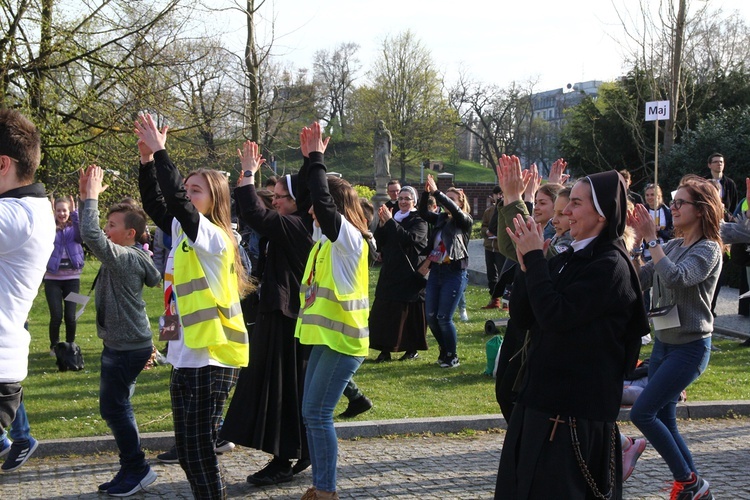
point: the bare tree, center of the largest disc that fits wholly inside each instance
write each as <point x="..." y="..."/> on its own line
<point x="334" y="76"/>
<point x="494" y="116"/>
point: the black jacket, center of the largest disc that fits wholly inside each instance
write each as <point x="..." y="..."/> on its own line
<point x="289" y="243"/>
<point x="586" y="317"/>
<point x="400" y="245"/>
<point x="455" y="225"/>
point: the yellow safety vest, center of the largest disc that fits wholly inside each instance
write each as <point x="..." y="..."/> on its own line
<point x="332" y="318"/>
<point x="210" y="321"/>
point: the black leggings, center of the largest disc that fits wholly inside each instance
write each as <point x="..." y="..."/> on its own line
<point x="56" y="291"/>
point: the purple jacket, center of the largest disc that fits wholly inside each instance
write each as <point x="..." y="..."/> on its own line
<point x="70" y="239"/>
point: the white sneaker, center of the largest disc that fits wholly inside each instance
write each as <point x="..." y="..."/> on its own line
<point x="464" y="316"/>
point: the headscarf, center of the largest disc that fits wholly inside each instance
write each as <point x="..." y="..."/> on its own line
<point x="291" y="185"/>
<point x="399" y="215"/>
<point x="609" y="193"/>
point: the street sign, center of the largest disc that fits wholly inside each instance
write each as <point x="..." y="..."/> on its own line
<point x="657" y="110"/>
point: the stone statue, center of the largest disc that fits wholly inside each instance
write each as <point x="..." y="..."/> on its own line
<point x="382" y="151"/>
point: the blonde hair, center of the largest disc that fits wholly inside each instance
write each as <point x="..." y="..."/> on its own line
<point x="220" y="213"/>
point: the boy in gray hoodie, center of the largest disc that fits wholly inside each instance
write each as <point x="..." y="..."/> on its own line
<point x="121" y="322"/>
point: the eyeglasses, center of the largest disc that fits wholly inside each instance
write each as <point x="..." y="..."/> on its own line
<point x="281" y="196"/>
<point x="678" y="203"/>
<point x="401" y="198"/>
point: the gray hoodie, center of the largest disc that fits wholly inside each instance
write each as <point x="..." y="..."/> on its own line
<point x="121" y="320"/>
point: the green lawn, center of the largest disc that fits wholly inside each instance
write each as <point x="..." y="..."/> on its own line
<point x="66" y="404"/>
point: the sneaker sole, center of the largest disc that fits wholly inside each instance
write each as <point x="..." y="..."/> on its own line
<point x="146" y="481"/>
<point x="23" y="460"/>
<point x="225" y="448"/>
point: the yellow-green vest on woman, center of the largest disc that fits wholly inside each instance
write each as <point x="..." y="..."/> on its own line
<point x="210" y="321"/>
<point x="334" y="319"/>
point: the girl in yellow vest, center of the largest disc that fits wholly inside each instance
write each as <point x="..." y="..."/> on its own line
<point x="334" y="305"/>
<point x="203" y="282"/>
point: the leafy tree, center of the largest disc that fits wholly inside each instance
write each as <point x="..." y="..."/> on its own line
<point x="407" y="94"/>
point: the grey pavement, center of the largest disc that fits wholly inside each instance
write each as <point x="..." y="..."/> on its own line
<point x="405" y="467"/>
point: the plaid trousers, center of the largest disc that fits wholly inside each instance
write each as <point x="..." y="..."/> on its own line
<point x="198" y="397"/>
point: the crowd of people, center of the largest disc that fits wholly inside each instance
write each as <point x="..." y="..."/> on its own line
<point x="288" y="324"/>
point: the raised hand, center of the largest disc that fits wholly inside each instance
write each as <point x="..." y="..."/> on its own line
<point x="91" y="183"/>
<point x="557" y="173"/>
<point x="250" y="157"/>
<point x="430" y="185"/>
<point x="311" y="139"/>
<point x="384" y="215"/>
<point x="527" y="236"/>
<point x="533" y="183"/>
<point x="146" y="130"/>
<point x="510" y="178"/>
<point x="640" y="220"/>
<point x="147" y="155"/>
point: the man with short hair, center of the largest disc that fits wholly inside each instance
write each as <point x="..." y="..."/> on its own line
<point x="727" y="187"/>
<point x="394" y="187"/>
<point x="27" y="234"/>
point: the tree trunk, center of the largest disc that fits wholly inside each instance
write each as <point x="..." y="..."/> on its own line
<point x="675" y="77"/>
<point x="252" y="71"/>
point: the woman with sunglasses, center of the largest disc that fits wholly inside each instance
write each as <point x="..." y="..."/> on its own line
<point x="683" y="274"/>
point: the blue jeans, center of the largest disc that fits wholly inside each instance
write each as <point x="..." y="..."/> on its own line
<point x="445" y="288"/>
<point x="462" y="297"/>
<point x="328" y="373"/>
<point x="116" y="385"/>
<point x="19" y="429"/>
<point x="671" y="369"/>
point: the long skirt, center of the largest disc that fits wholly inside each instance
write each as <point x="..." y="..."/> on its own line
<point x="539" y="460"/>
<point x="397" y="326"/>
<point x="266" y="409"/>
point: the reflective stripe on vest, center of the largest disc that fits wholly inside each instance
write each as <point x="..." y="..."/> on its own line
<point x="336" y="320"/>
<point x="210" y="321"/>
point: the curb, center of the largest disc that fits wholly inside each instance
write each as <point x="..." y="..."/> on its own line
<point x="162" y="441"/>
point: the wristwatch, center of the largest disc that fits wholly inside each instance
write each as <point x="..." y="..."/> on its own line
<point x="653" y="243"/>
<point x="248" y="173"/>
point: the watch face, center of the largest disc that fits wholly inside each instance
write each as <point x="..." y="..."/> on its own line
<point x="652" y="244"/>
<point x="248" y="173"/>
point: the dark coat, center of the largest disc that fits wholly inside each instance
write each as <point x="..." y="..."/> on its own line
<point x="586" y="317"/>
<point x="400" y="245"/>
<point x="289" y="243"/>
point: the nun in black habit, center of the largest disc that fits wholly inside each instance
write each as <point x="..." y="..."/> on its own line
<point x="585" y="315"/>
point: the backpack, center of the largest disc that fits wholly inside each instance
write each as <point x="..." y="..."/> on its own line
<point x="69" y="356"/>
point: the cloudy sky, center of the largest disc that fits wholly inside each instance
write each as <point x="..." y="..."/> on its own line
<point x="548" y="41"/>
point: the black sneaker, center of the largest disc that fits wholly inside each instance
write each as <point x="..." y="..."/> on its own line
<point x="300" y="465"/>
<point x="277" y="471"/>
<point x="383" y="356"/>
<point x="356" y="407"/>
<point x="223" y="446"/>
<point x="409" y="355"/>
<point x="441" y="358"/>
<point x="20" y="451"/>
<point x="694" y="489"/>
<point x="169" y="457"/>
<point x="132" y="483"/>
<point x="115" y="481"/>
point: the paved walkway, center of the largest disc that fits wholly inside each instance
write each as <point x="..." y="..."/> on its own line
<point x="416" y="467"/>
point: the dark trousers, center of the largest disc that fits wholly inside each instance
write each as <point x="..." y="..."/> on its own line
<point x="10" y="398"/>
<point x="116" y="385"/>
<point x="494" y="263"/>
<point x="56" y="291"/>
<point x="198" y="398"/>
